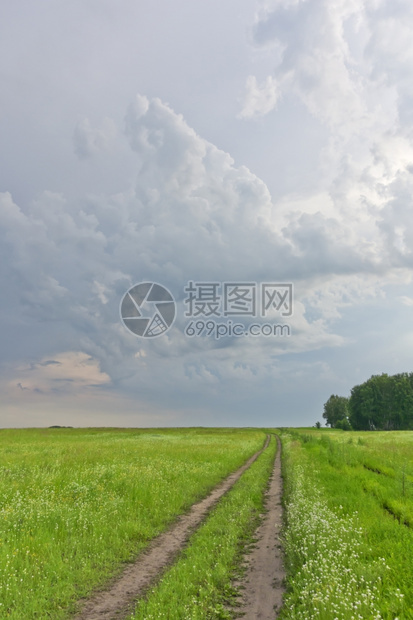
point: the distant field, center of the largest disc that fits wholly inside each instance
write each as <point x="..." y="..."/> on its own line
<point x="76" y="503"/>
<point x="349" y="536"/>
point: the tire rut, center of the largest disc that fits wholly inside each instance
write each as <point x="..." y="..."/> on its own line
<point x="263" y="583"/>
<point x="117" y="600"/>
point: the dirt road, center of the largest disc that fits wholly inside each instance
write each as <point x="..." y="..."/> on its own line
<point x="264" y="579"/>
<point x="115" y="602"/>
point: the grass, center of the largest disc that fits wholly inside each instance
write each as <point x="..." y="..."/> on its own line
<point x="198" y="586"/>
<point x="75" y="504"/>
<point x="348" y="535"/>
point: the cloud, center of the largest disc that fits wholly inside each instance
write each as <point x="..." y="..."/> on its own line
<point x="88" y="141"/>
<point x="259" y="99"/>
<point x="190" y="214"/>
<point x="407" y="301"/>
<point x="190" y="203"/>
<point x="344" y="62"/>
<point x="70" y="371"/>
<point x="316" y="61"/>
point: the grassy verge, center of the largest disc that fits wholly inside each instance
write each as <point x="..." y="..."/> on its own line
<point x="75" y="504"/>
<point x="347" y="557"/>
<point x="198" y="586"/>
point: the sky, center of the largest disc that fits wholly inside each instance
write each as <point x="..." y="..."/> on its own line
<point x="252" y="157"/>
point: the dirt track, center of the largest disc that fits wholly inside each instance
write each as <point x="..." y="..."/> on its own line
<point x="264" y="579"/>
<point x="115" y="602"/>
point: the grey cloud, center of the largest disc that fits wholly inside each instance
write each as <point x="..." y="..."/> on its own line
<point x="89" y="141"/>
<point x="191" y="214"/>
<point x="50" y="363"/>
<point x="329" y="89"/>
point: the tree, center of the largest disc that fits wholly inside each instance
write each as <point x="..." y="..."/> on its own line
<point x="318" y="424"/>
<point x="361" y="408"/>
<point x="335" y="409"/>
<point x="383" y="402"/>
<point x="344" y="424"/>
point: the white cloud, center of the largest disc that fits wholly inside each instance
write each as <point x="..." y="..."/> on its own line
<point x="346" y="64"/>
<point x="343" y="59"/>
<point x="259" y="98"/>
<point x="407" y="301"/>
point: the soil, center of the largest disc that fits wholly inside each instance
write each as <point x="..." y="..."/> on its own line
<point x="263" y="584"/>
<point x="117" y="600"/>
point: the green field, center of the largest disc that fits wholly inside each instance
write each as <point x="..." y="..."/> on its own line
<point x="76" y="504"/>
<point x="349" y="515"/>
<point x="199" y="586"/>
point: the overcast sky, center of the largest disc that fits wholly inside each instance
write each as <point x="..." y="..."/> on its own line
<point x="244" y="141"/>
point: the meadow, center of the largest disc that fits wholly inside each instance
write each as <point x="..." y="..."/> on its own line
<point x="199" y="584"/>
<point x="75" y="504"/>
<point x="349" y="516"/>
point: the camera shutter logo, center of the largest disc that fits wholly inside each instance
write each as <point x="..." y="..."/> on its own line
<point x="148" y="310"/>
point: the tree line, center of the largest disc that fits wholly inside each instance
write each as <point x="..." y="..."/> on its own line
<point x="383" y="402"/>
